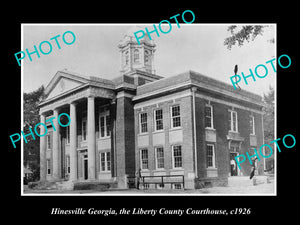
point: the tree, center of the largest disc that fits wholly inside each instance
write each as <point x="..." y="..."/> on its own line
<point x="31" y="118"/>
<point x="268" y="123"/>
<point x="246" y="33"/>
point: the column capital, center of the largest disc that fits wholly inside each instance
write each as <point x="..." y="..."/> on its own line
<point x="73" y="103"/>
<point x="194" y="89"/>
<point x="56" y="109"/>
<point x="42" y="113"/>
<point x="91" y="96"/>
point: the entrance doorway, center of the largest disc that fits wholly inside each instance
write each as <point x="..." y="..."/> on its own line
<point x="85" y="167"/>
<point x="233" y="165"/>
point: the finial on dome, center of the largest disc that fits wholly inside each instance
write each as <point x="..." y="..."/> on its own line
<point x="130" y="37"/>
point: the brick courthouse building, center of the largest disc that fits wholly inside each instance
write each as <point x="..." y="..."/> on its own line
<point x="187" y="124"/>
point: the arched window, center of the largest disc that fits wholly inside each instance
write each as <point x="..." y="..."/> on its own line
<point x="136" y="56"/>
<point x="126" y="58"/>
<point x="147" y="57"/>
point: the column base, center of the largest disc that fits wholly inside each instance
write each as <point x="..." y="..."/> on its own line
<point x="122" y="182"/>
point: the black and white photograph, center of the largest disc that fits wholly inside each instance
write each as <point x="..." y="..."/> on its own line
<point x="133" y="110"/>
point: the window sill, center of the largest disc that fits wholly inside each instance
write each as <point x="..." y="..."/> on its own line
<point x="105" y="172"/>
<point x="175" y="128"/>
<point x="158" y="131"/>
<point x="209" y="128"/>
<point x="142" y="134"/>
<point x="212" y="168"/>
<point x="104" y="138"/>
<point x="177" y="169"/>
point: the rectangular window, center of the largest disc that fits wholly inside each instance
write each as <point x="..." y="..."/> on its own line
<point x="144" y="158"/>
<point x="102" y="126"/>
<point x="143" y="123"/>
<point x="233" y="121"/>
<point x="48" y="167"/>
<point x="158" y="115"/>
<point x="252" y="125"/>
<point x="48" y="142"/>
<point x="136" y="56"/>
<point x="229" y="120"/>
<point x="84" y="129"/>
<point x="234" y="148"/>
<point x="102" y="161"/>
<point x="68" y="134"/>
<point x="208" y="116"/>
<point x="107" y="123"/>
<point x="68" y="164"/>
<point x="210" y="156"/>
<point x="104" y="122"/>
<point x="175" y="116"/>
<point x="108" y="161"/>
<point x="177" y="156"/>
<point x="159" y="157"/>
<point x="105" y="162"/>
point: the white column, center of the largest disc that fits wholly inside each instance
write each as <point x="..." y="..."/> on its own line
<point x="73" y="143"/>
<point x="55" y="149"/>
<point x="43" y="160"/>
<point x="91" y="138"/>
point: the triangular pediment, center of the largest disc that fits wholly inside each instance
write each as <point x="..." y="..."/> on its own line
<point x="63" y="82"/>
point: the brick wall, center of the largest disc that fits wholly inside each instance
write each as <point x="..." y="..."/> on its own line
<point x="244" y="130"/>
<point x="221" y="124"/>
<point x="185" y="138"/>
<point x="129" y="137"/>
<point x="220" y="132"/>
<point x="220" y="145"/>
<point x="188" y="141"/>
<point x="124" y="139"/>
<point x="200" y="137"/>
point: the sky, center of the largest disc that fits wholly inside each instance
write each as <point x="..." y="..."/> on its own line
<point x="197" y="47"/>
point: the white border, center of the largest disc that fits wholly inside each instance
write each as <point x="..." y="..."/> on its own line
<point x="22" y="114"/>
<point x="145" y="194"/>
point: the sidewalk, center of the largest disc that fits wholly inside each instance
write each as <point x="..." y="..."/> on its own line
<point x="236" y="185"/>
<point x="243" y="185"/>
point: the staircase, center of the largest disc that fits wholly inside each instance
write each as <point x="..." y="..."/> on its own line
<point x="64" y="185"/>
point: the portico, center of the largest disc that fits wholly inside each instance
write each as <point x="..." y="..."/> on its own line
<point x="71" y="152"/>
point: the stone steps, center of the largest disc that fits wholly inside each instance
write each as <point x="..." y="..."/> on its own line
<point x="64" y="185"/>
